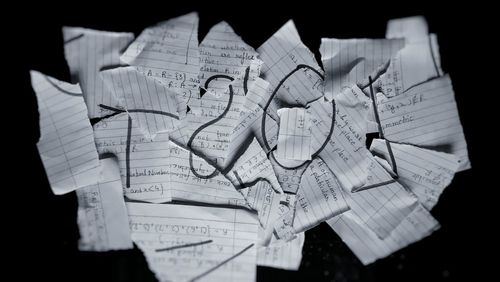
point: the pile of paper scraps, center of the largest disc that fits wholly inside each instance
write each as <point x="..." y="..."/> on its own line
<point x="215" y="157"/>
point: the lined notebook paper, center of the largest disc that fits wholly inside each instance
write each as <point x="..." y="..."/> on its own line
<point x="294" y="136"/>
<point x="426" y="173"/>
<point x="159" y="170"/>
<point x="253" y="165"/>
<point x="223" y="52"/>
<point x="152" y="105"/>
<point x="281" y="254"/>
<point x="200" y="243"/>
<point x="87" y="52"/>
<point x="250" y="121"/>
<point x="262" y="198"/>
<point x="228" y="69"/>
<point x="102" y="216"/>
<point x="66" y="144"/>
<point x="168" y="52"/>
<point x="368" y="247"/>
<point x="345" y="153"/>
<point x="319" y="198"/>
<point x="427" y="116"/>
<point x="290" y="67"/>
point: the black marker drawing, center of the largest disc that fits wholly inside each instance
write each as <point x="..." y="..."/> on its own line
<point x="222" y="263"/>
<point x="184" y="246"/>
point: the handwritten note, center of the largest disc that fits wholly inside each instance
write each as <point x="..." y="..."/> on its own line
<point x="368" y="247"/>
<point x="250" y="120"/>
<point x="102" y="216"/>
<point x="223" y="53"/>
<point x="228" y="69"/>
<point x="425" y="115"/>
<point x="87" y="52"/>
<point x="157" y="170"/>
<point x="342" y="125"/>
<point x="168" y="52"/>
<point x="319" y="198"/>
<point x="294" y="137"/>
<point x="262" y="198"/>
<point x="425" y="172"/>
<point x="416" y="63"/>
<point x="200" y="243"/>
<point x="253" y="165"/>
<point x="66" y="144"/>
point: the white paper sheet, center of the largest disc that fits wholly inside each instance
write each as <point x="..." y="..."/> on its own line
<point x="368" y="247"/>
<point x="290" y="68"/>
<point x="426" y="173"/>
<point x="66" y="144"/>
<point x="345" y="153"/>
<point x="383" y="202"/>
<point x="294" y="135"/>
<point x="168" y="52"/>
<point x="348" y="62"/>
<point x="159" y="170"/>
<point x="262" y="198"/>
<point x="223" y="52"/>
<point x="250" y="121"/>
<point x="148" y="163"/>
<point x="416" y="63"/>
<point x="228" y="69"/>
<point x="87" y="52"/>
<point x="251" y="166"/>
<point x="152" y="105"/>
<point x="412" y="29"/>
<point x="427" y="116"/>
<point x="383" y="207"/>
<point x="281" y="254"/>
<point x="319" y="198"/>
<point x="225" y="239"/>
<point x="102" y="216"/>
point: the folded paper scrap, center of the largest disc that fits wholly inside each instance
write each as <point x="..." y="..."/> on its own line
<point x="213" y="157"/>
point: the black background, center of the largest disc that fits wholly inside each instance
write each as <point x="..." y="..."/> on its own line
<point x="41" y="227"/>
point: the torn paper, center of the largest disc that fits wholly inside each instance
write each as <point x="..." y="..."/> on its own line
<point x="228" y="69"/>
<point x="294" y="135"/>
<point x="224" y="54"/>
<point x="417" y="62"/>
<point x="252" y="166"/>
<point x="290" y="67"/>
<point x="425" y="172"/>
<point x="319" y="198"/>
<point x="339" y="131"/>
<point x="102" y="216"/>
<point x="281" y="254"/>
<point x="152" y="105"/>
<point x="412" y="29"/>
<point x="349" y="62"/>
<point x="262" y="198"/>
<point x="66" y="144"/>
<point x="157" y="170"/>
<point x="250" y="121"/>
<point x="191" y="243"/>
<point x="89" y="51"/>
<point x="426" y="116"/>
<point x="168" y="52"/>
<point x="368" y="247"/>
